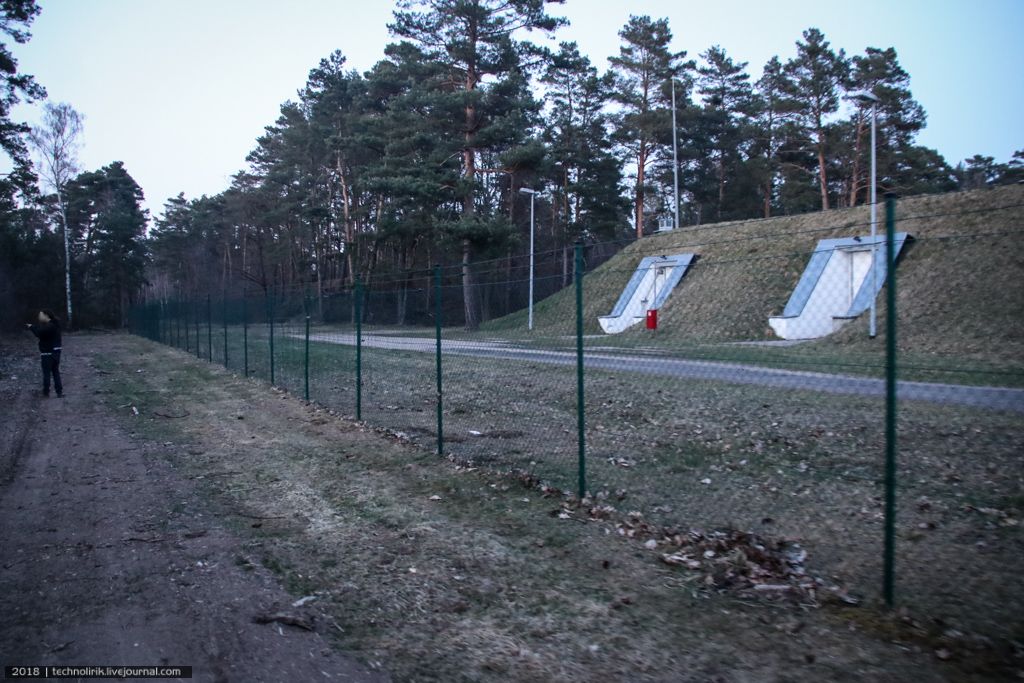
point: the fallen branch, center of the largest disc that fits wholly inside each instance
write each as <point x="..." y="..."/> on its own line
<point x="170" y="417"/>
<point x="242" y="514"/>
<point x="299" y="622"/>
<point x="132" y="539"/>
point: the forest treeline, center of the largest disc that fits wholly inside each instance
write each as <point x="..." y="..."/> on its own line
<point x="423" y="158"/>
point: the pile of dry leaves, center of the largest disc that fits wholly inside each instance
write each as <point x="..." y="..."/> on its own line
<point x="730" y="559"/>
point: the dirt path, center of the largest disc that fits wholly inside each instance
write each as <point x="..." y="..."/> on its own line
<point x="109" y="556"/>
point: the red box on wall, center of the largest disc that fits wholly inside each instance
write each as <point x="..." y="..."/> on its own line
<point x="652" y="319"/>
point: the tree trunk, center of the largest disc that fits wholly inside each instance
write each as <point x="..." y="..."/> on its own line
<point x="721" y="184"/>
<point x="822" y="174"/>
<point x="565" y="265"/>
<point x="641" y="162"/>
<point x="468" y="291"/>
<point x="855" y="176"/>
<point x="347" y="216"/>
<point x="468" y="205"/>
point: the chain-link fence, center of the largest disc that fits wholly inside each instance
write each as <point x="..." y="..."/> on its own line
<point x="852" y="395"/>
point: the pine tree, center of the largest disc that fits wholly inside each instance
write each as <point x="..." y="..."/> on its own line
<point x="473" y="39"/>
<point x="643" y="71"/>
<point x="15" y="18"/>
<point x="587" y="175"/>
<point x="728" y="106"/>
<point x="815" y="79"/>
<point x="106" y="215"/>
<point x="900" y="118"/>
<point x="768" y="132"/>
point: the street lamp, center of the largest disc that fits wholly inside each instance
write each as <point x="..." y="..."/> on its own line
<point x="533" y="195"/>
<point x="865" y="96"/>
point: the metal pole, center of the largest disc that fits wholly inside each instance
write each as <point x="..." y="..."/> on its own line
<point x="224" y="316"/>
<point x="307" y="353"/>
<point x="580" y="421"/>
<point x="872" y="331"/>
<point x="195" y="308"/>
<point x="359" y="349"/>
<point x="245" y="334"/>
<point x="675" y="156"/>
<point x="890" y="400"/>
<point x="209" y="330"/>
<point x="270" y="320"/>
<point x="529" y="323"/>
<point x="437" y="342"/>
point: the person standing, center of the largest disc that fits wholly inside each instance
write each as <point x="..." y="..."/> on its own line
<point x="47" y="330"/>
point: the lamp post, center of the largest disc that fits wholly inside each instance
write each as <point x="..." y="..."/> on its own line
<point x="533" y="195"/>
<point x="675" y="157"/>
<point x="865" y="96"/>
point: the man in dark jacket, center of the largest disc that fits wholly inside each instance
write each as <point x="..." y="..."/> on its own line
<point x="47" y="330"/>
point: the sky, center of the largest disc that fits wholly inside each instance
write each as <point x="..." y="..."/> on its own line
<point x="179" y="90"/>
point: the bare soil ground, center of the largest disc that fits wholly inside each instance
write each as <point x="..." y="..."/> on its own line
<point x="222" y="500"/>
<point x="110" y="556"/>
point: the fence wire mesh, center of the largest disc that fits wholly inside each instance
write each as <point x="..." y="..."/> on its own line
<point x="732" y="383"/>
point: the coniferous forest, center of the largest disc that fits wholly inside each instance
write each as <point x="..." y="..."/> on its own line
<point x="421" y="160"/>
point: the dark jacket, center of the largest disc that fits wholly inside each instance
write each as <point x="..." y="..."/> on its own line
<point x="49" y="336"/>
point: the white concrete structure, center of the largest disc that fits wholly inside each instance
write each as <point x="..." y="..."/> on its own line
<point x="835" y="287"/>
<point x="648" y="288"/>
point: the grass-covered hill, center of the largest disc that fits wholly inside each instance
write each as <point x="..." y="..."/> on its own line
<point x="960" y="281"/>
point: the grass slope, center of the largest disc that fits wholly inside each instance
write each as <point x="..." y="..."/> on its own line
<point x="959" y="281"/>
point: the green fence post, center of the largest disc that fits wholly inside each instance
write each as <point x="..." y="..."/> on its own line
<point x="224" y="320"/>
<point x="359" y="348"/>
<point x="209" y="330"/>
<point x="580" y="421"/>
<point x="270" y="320"/>
<point x="890" y="400"/>
<point x="245" y="334"/>
<point x="195" y="310"/>
<point x="437" y="335"/>
<point x="307" y="349"/>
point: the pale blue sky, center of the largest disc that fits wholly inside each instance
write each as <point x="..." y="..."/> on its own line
<point x="180" y="89"/>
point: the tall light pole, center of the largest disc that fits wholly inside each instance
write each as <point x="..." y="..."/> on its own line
<point x="865" y="96"/>
<point x="533" y="195"/>
<point x="675" y="156"/>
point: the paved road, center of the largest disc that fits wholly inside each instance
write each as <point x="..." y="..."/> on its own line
<point x="734" y="373"/>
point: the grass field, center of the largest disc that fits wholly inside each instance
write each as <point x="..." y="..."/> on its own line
<point x="444" y="572"/>
<point x="711" y="455"/>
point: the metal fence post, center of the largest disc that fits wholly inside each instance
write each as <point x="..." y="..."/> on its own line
<point x="580" y="420"/>
<point x="270" y="321"/>
<point x="307" y="349"/>
<point x="224" y="319"/>
<point x="245" y="335"/>
<point x="195" y="310"/>
<point x="890" y="400"/>
<point x="437" y="334"/>
<point x="359" y="348"/>
<point x="209" y="330"/>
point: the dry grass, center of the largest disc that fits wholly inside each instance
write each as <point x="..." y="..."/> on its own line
<point x="958" y="295"/>
<point x="502" y="590"/>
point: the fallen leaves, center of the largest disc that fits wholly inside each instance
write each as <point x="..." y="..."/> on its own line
<point x="1002" y="517"/>
<point x="729" y="558"/>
